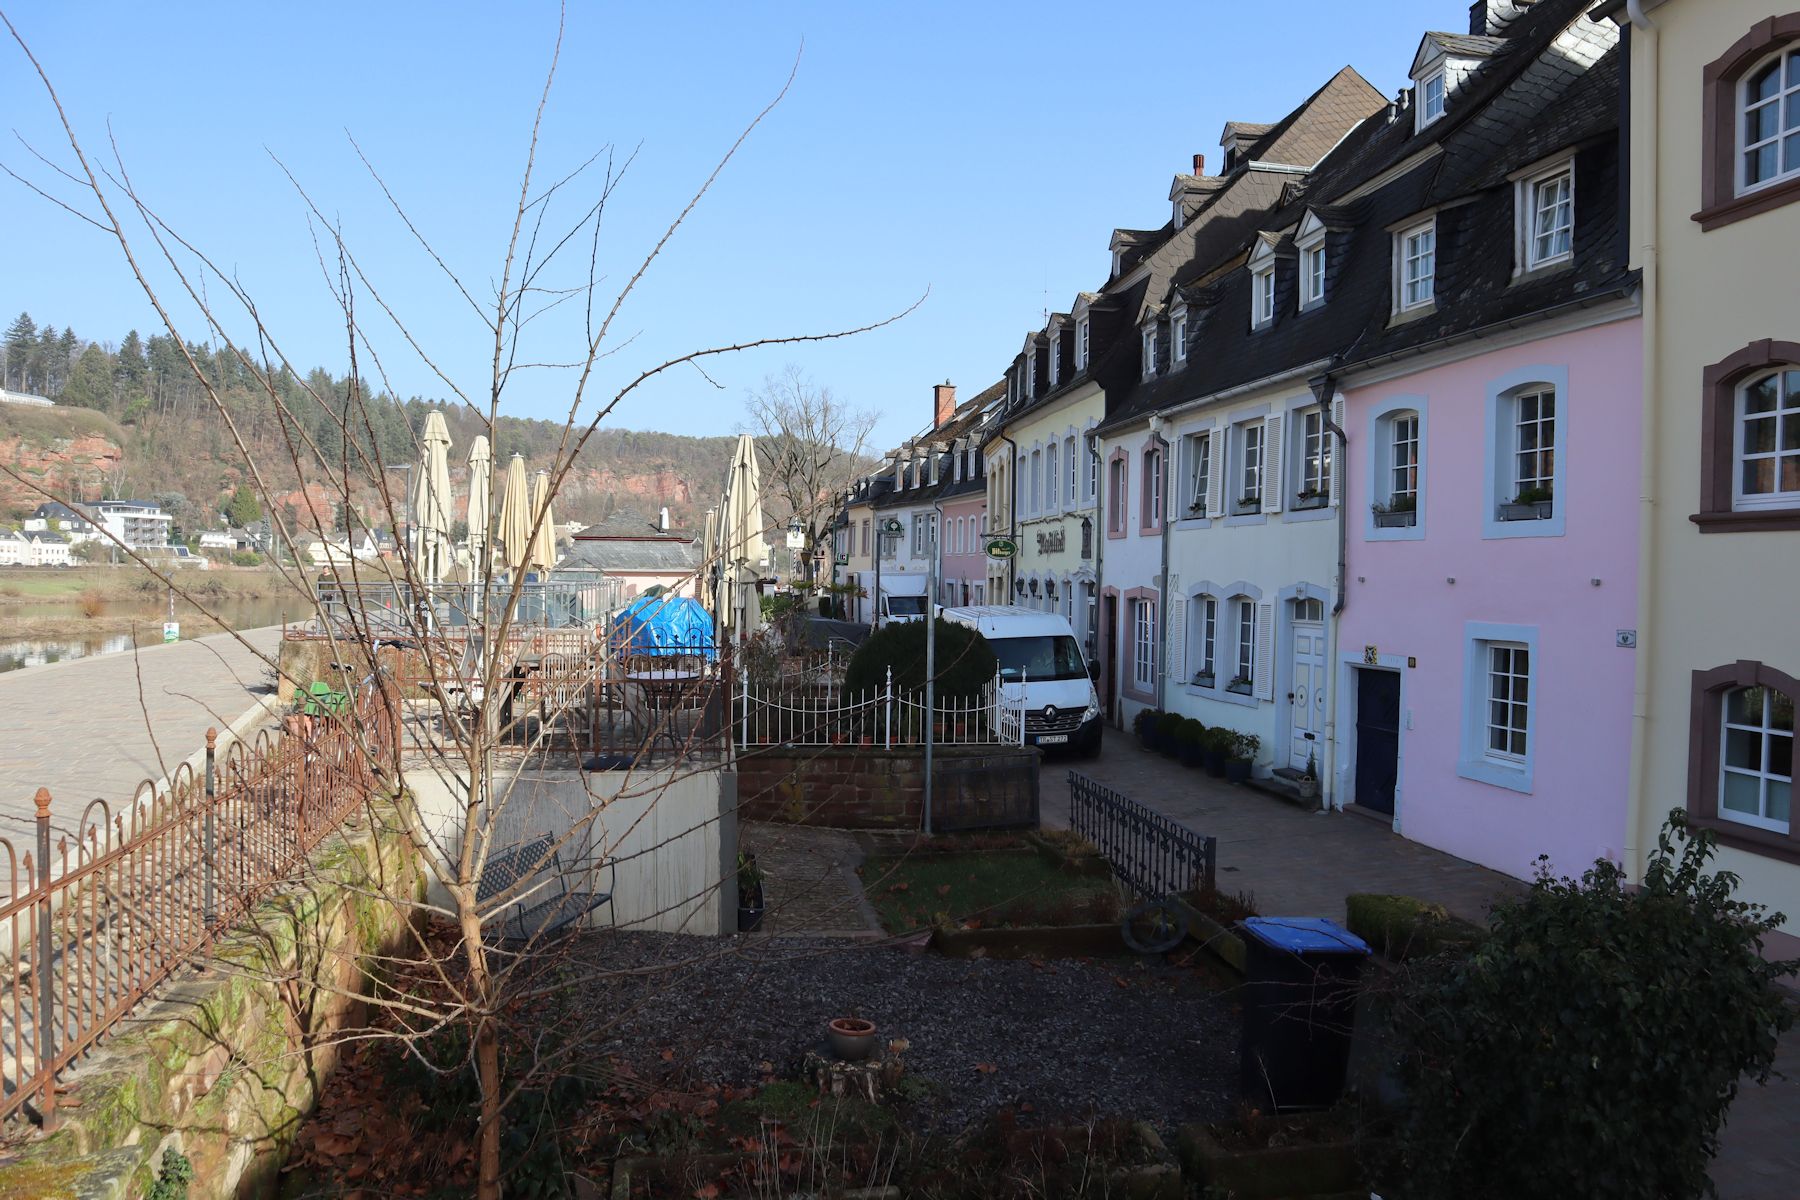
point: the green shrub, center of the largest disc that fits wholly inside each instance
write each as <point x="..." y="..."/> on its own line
<point x="1594" y="1041"/>
<point x="1191" y="733"/>
<point x="1403" y="927"/>
<point x="1144" y="724"/>
<point x="1220" y="741"/>
<point x="965" y="663"/>
<point x="1168" y="727"/>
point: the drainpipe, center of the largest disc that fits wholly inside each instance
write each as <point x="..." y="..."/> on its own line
<point x="1012" y="513"/>
<point x="1162" y="616"/>
<point x="1092" y="438"/>
<point x="1649" y="441"/>
<point x="1324" y="389"/>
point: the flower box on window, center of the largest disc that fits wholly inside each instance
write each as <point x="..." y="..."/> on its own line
<point x="1400" y="512"/>
<point x="1197" y="508"/>
<point x="1239" y="685"/>
<point x="1203" y="678"/>
<point x="1531" y="504"/>
<point x="1249" y="504"/>
<point x="1310" y="499"/>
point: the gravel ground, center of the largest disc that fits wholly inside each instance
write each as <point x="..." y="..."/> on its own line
<point x="1072" y="1038"/>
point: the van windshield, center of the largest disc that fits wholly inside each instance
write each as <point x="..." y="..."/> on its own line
<point x="906" y="606"/>
<point x="1047" y="656"/>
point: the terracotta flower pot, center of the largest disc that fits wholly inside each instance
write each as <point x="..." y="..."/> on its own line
<point x="851" y="1038"/>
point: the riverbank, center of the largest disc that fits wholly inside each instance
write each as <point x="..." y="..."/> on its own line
<point x="74" y="585"/>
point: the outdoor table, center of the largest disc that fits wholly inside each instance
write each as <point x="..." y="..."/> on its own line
<point x="662" y="691"/>
<point x="526" y="666"/>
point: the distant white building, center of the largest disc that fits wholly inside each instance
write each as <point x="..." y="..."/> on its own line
<point x="25" y="398"/>
<point x="35" y="548"/>
<point x="140" y="524"/>
<point x="14" y="548"/>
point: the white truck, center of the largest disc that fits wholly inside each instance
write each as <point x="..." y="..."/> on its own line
<point x="902" y="599"/>
<point x="1042" y="670"/>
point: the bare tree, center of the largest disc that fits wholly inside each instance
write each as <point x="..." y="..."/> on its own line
<point x="447" y="688"/>
<point x="812" y="445"/>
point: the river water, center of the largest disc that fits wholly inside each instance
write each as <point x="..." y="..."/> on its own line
<point x="16" y="654"/>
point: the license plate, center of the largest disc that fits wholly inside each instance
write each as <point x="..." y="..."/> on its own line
<point x="1052" y="739"/>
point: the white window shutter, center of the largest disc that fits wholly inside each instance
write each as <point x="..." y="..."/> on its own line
<point x="1215" y="477"/>
<point x="1264" y="666"/>
<point x="1175" y="642"/>
<point x="1274" y="480"/>
<point x="1337" y="453"/>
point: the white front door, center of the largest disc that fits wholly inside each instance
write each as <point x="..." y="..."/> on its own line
<point x="1306" y="695"/>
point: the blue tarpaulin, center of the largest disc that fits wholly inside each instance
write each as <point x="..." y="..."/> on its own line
<point x="665" y="625"/>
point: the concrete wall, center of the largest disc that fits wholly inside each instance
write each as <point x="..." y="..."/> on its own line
<point x="1402" y="601"/>
<point x="1716" y="597"/>
<point x="661" y="841"/>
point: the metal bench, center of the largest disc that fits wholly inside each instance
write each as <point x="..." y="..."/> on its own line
<point x="552" y="905"/>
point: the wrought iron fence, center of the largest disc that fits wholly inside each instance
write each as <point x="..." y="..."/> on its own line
<point x="886" y="716"/>
<point x="1152" y="855"/>
<point x="89" y="928"/>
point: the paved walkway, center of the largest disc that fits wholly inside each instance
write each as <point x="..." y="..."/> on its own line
<point x="1300" y="863"/>
<point x="810" y="885"/>
<point x="79" y="728"/>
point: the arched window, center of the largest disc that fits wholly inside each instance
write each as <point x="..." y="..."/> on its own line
<point x="1769" y="133"/>
<point x="1052" y="474"/>
<point x="1767" y="439"/>
<point x="1203" y="640"/>
<point x="1750" y="124"/>
<point x="1756" y="759"/>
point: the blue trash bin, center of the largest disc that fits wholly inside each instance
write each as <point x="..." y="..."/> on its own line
<point x="1299" y="1011"/>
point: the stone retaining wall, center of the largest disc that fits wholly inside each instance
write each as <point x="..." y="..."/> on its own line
<point x="224" y="1066"/>
<point x="859" y="787"/>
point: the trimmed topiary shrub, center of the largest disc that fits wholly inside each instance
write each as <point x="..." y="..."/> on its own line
<point x="1591" y="1045"/>
<point x="1403" y="927"/>
<point x="1168" y="732"/>
<point x="965" y="663"/>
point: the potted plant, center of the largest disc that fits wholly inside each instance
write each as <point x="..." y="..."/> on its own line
<point x="1243" y="752"/>
<point x="1144" y="725"/>
<point x="851" y="1038"/>
<point x="1198" y="507"/>
<point x="1168" y="733"/>
<point x="1249" y="503"/>
<point x="750" y="893"/>
<point x="1203" y="678"/>
<point x="1193" y="743"/>
<point x="1531" y="504"/>
<point x="1309" y="782"/>
<point x="1218" y="748"/>
<point x="1310" y="498"/>
<point x="1400" y="512"/>
<point x="1239" y="684"/>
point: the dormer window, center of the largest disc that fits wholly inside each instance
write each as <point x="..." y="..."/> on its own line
<point x="1430" y="104"/>
<point x="1415" y="266"/>
<point x="1178" y="329"/>
<point x="1311" y="242"/>
<point x="1545" y="204"/>
<point x="1055" y="355"/>
<point x="1262" y="296"/>
<point x="1030" y="375"/>
<point x="1149" y="350"/>
<point x="1083" y="330"/>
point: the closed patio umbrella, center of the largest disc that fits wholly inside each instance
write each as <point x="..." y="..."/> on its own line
<point x="543" y="543"/>
<point x="481" y="483"/>
<point x="431" y="501"/>
<point x="514" y="528"/>
<point x="706" y="584"/>
<point x="743" y="550"/>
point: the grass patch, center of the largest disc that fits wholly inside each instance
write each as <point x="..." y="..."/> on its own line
<point x="1402" y="927"/>
<point x="983" y="891"/>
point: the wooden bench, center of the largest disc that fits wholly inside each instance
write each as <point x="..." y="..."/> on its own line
<point x="552" y="905"/>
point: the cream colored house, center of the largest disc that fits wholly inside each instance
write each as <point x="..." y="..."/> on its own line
<point x="1715" y="229"/>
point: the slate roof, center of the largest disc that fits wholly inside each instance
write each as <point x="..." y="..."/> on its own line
<point x="1307" y="134"/>
<point x="618" y="555"/>
<point x="54" y="510"/>
<point x="1513" y="111"/>
<point x="1467" y="45"/>
<point x="963" y="422"/>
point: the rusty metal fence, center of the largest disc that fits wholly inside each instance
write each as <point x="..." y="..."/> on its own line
<point x="91" y="925"/>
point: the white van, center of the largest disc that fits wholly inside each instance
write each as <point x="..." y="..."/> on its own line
<point x="1042" y="668"/>
<point x="902" y="599"/>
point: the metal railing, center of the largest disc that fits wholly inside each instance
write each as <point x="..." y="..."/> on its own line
<point x="89" y="928"/>
<point x="394" y="606"/>
<point x="1152" y="855"/>
<point x="886" y="716"/>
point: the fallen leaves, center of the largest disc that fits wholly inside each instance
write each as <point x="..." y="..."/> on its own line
<point x="986" y="1068"/>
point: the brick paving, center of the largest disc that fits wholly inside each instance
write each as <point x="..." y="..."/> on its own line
<point x="810" y="886"/>
<point x="79" y="728"/>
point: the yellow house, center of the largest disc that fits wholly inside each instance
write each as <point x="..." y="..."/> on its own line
<point x="1715" y="229"/>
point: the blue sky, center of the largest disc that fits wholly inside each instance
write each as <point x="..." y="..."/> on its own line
<point x="981" y="152"/>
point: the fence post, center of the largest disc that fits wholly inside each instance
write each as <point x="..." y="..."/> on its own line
<point x="208" y="851"/>
<point x="744" y="713"/>
<point x="46" y="1019"/>
<point x="1024" y="680"/>
<point x="887" y="696"/>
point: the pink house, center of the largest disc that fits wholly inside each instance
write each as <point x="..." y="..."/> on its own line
<point x="1486" y="649"/>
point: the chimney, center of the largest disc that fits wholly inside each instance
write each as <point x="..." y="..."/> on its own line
<point x="662" y="521"/>
<point x="1200" y="164"/>
<point x="943" y="403"/>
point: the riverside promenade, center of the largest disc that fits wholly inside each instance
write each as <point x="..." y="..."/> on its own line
<point x="97" y="727"/>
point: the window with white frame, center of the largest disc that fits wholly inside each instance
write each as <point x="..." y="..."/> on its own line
<point x="1508" y="717"/>
<point x="1756" y="758"/>
<point x="1546" y="205"/>
<point x="1262" y="296"/>
<point x="1152" y="491"/>
<point x="1052" y="477"/>
<point x="1532" y="412"/>
<point x="1314" y="483"/>
<point x="1769" y="133"/>
<point x="1415" y="254"/>
<point x="865" y="538"/>
<point x="1767" y="441"/>
<point x="1431" y="98"/>
<point x="1069" y="466"/>
<point x="1178" y="326"/>
<point x="1036" y="480"/>
<point x="1312" y="274"/>
<point x="1030" y="374"/>
<point x="1055" y="355"/>
<point x="1203" y="632"/>
<point x="1093" y="475"/>
<point x="1199" y="472"/>
<point x="1082" y="331"/>
<point x="1395" y="486"/>
<point x="1245" y="670"/>
<point x="1149" y="351"/>
<point x="1143" y="645"/>
<point x="1249" y="465"/>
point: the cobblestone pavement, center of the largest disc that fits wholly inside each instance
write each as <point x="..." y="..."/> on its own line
<point x="810" y="884"/>
<point x="80" y="728"/>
